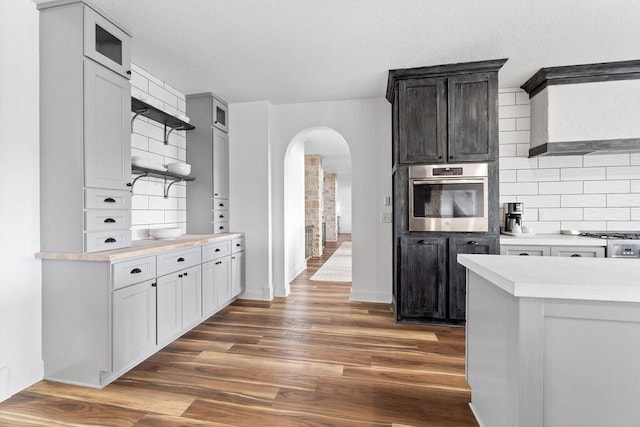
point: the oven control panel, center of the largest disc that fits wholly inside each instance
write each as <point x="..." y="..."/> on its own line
<point x="622" y="249"/>
<point x="447" y="171"/>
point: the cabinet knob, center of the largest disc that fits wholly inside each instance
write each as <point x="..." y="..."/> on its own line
<point x="186" y="273"/>
<point x="180" y="259"/>
<point x="129" y="72"/>
<point x="180" y="276"/>
<point x="136" y="271"/>
<point x="109" y="221"/>
<point x="439" y="157"/>
<point x="451" y="157"/>
<point x="110" y="240"/>
<point x="109" y="200"/>
<point x="154" y="284"/>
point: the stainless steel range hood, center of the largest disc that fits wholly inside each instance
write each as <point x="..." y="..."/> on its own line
<point x="585" y="109"/>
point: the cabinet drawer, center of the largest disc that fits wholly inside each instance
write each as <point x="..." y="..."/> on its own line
<point x="106" y="240"/>
<point x="178" y="260"/>
<point x="524" y="250"/>
<point x="220" y="227"/>
<point x="220" y="216"/>
<point x="220" y="204"/>
<point x="237" y="245"/>
<point x="134" y="271"/>
<point x="98" y="198"/>
<point x="215" y="251"/>
<point x="99" y="220"/>
<point x="577" y="251"/>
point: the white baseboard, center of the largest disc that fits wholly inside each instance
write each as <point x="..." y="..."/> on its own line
<point x="14" y="381"/>
<point x="266" y="294"/>
<point x="476" y="415"/>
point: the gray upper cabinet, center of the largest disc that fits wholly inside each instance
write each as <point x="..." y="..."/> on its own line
<point x="85" y="142"/>
<point x="445" y="114"/>
<point x="208" y="154"/>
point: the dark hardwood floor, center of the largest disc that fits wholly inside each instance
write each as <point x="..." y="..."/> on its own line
<point x="311" y="359"/>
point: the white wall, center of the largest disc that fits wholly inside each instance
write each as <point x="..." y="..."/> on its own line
<point x="250" y="193"/>
<point x="294" y="214"/>
<point x="149" y="208"/>
<point x="344" y="203"/>
<point x="20" y="288"/>
<point x="260" y="135"/>
<point x="590" y="192"/>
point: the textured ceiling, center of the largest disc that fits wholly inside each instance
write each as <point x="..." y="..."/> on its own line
<point x="289" y="51"/>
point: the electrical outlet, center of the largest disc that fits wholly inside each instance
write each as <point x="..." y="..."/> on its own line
<point x="385" y="217"/>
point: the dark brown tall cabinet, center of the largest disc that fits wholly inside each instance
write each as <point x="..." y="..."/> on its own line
<point x="441" y="114"/>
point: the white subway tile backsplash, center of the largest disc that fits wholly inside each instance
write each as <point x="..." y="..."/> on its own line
<point x="182" y="105"/>
<point x="163" y="95"/>
<point x="606" y="187"/>
<point x="522" y="97"/>
<point x="139" y="141"/>
<point x="144" y="73"/>
<point x="560" y="162"/>
<point x="623" y="200"/>
<point x="139" y="201"/>
<point x="583" y="200"/>
<point x="508" y="176"/>
<point x="635" y="214"/>
<point x="540" y="201"/>
<point x="522" y="150"/>
<point x="518" y="188"/>
<point x="174" y="91"/>
<point x="560" y="214"/>
<point x="147" y="217"/>
<point x="140" y="82"/>
<point x="514" y="137"/>
<point x="623" y="172"/>
<point x="635" y="186"/>
<point x="149" y="187"/>
<point x="538" y="175"/>
<point x="159" y="202"/>
<point x="148" y="129"/>
<point x="507" y="98"/>
<point x="542" y="227"/>
<point x="507" y="150"/>
<point x="623" y="225"/>
<point x="606" y="160"/>
<point x="514" y="111"/>
<point x="584" y="225"/>
<point x="607" y="214"/>
<point x="584" y="174"/>
<point x="518" y="163"/>
<point x="506" y="124"/>
<point x="561" y="187"/>
<point x="523" y="123"/>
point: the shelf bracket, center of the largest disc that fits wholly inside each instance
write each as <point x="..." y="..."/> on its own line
<point x="166" y="189"/>
<point x="136" y="179"/>
<point x="166" y="134"/>
<point x="135" y="116"/>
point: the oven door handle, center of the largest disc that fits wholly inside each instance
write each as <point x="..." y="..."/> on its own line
<point x="448" y="181"/>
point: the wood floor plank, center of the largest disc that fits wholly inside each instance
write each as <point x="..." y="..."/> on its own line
<point x="312" y="359"/>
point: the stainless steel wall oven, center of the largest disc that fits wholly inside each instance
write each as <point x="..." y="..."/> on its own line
<point x="448" y="197"/>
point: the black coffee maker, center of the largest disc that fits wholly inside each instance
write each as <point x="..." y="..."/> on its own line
<point x="513" y="216"/>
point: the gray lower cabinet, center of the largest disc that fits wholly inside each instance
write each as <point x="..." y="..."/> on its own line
<point x="423" y="278"/>
<point x="134" y="323"/>
<point x="431" y="286"/>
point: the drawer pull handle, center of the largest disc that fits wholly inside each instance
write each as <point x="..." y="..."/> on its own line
<point x="238" y="245"/>
<point x="423" y="242"/>
<point x="221" y="216"/>
<point x="221" y="205"/>
<point x="109" y="221"/>
<point x="524" y="254"/>
<point x="219" y="262"/>
<point x="221" y="227"/>
<point x="217" y="250"/>
<point x="180" y="259"/>
<point x="109" y="200"/>
<point x="110" y="240"/>
<point x="575" y="255"/>
<point x="136" y="271"/>
<point x="472" y="242"/>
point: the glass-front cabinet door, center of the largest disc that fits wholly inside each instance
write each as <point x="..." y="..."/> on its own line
<point x="106" y="44"/>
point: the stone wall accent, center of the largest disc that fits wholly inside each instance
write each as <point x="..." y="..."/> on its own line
<point x="313" y="189"/>
<point x="330" y="195"/>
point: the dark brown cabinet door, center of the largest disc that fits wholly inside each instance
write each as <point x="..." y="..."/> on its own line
<point x="422" y="278"/>
<point x="422" y="121"/>
<point x="457" y="273"/>
<point x="472" y="117"/>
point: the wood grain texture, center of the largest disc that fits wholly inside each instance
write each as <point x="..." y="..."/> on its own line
<point x="311" y="359"/>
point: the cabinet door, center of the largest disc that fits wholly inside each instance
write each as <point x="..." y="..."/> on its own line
<point x="191" y="296"/>
<point x="210" y="301"/>
<point x="472" y="118"/>
<point x="220" y="164"/>
<point x="423" y="277"/>
<point x="106" y="43"/>
<point x="134" y="324"/>
<point x="107" y="138"/>
<point x="457" y="272"/>
<point x="237" y="274"/>
<point x="222" y="279"/>
<point x="169" y="307"/>
<point x="422" y="120"/>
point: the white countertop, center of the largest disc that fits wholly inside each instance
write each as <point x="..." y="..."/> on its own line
<point x="552" y="240"/>
<point x="596" y="279"/>
<point x="142" y="247"/>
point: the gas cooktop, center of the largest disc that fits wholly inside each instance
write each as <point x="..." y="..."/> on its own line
<point x="624" y="235"/>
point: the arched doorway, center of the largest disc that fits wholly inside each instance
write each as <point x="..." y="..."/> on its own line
<point x="334" y="151"/>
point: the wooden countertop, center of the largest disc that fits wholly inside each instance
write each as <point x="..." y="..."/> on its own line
<point x="142" y="248"/>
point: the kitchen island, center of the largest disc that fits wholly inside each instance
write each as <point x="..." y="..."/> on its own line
<point x="553" y="341"/>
